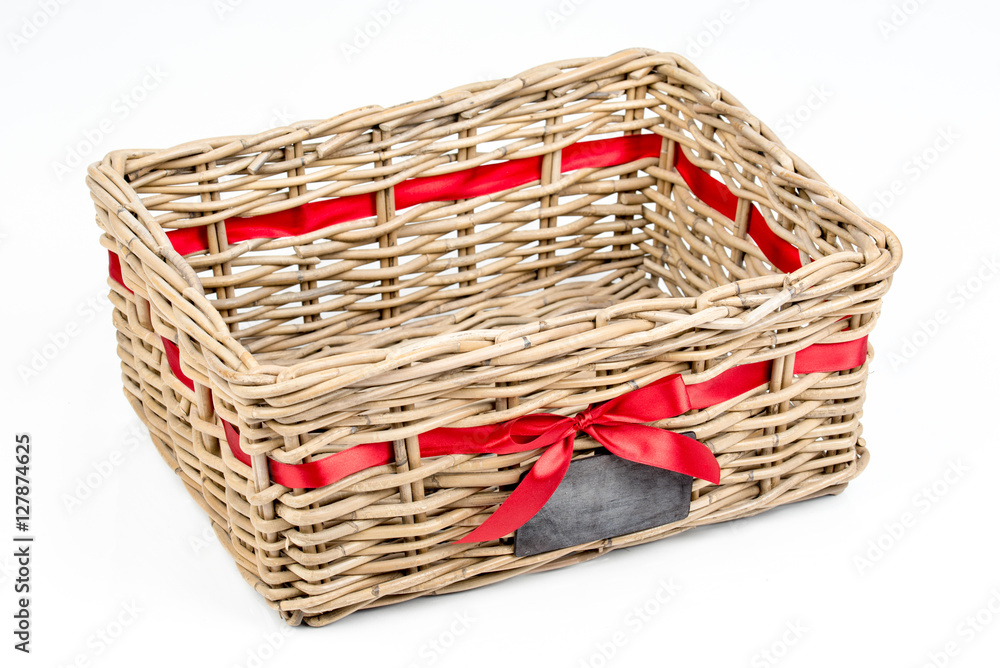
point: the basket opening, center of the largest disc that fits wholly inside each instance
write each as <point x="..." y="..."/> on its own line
<point x="522" y="252"/>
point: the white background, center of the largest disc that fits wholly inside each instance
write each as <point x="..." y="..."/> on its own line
<point x="887" y="574"/>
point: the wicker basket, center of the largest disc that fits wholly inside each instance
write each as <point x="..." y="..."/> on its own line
<point x="353" y="339"/>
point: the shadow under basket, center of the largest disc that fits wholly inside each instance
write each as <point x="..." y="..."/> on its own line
<point x="419" y="349"/>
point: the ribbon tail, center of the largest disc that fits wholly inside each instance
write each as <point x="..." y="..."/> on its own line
<point x="528" y="497"/>
<point x="660" y="448"/>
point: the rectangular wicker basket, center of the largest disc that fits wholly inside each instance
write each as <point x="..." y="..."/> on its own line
<point x="372" y="345"/>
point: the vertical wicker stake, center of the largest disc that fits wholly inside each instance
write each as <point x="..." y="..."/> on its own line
<point x="698" y="366"/>
<point x="714" y="273"/>
<point x="216" y="235"/>
<point x="664" y="188"/>
<point x="206" y="412"/>
<point x="668" y="147"/>
<point x="141" y="350"/>
<point x="292" y="442"/>
<point x="261" y="480"/>
<point x="407" y="451"/>
<point x="743" y="208"/>
<point x="295" y="154"/>
<point x="551" y="171"/>
<point x="624" y="198"/>
<point x="464" y="154"/>
<point x="217" y="243"/>
<point x="663" y="214"/>
<point x="781" y="377"/>
<point x="856" y="321"/>
<point x="144" y="313"/>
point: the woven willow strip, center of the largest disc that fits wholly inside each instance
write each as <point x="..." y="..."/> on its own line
<point x="565" y="291"/>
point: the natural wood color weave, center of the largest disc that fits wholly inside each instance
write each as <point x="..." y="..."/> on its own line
<point x="545" y="297"/>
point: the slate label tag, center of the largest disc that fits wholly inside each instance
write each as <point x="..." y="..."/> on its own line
<point x="602" y="497"/>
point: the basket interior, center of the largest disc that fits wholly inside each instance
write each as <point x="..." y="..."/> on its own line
<point x="633" y="230"/>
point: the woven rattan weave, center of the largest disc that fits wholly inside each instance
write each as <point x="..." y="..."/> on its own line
<point x="536" y="244"/>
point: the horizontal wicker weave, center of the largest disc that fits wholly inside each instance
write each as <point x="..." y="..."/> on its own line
<point x="599" y="274"/>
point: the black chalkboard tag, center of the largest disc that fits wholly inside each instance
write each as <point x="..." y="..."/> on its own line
<point x="602" y="497"/>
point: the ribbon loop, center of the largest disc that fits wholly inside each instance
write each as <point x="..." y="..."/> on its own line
<point x="660" y="448"/>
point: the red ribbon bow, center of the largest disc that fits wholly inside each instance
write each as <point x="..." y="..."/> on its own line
<point x="615" y="424"/>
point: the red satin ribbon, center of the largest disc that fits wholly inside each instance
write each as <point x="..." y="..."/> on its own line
<point x="173" y="354"/>
<point x="115" y="270"/>
<point x="716" y="194"/>
<point x="486" y="180"/>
